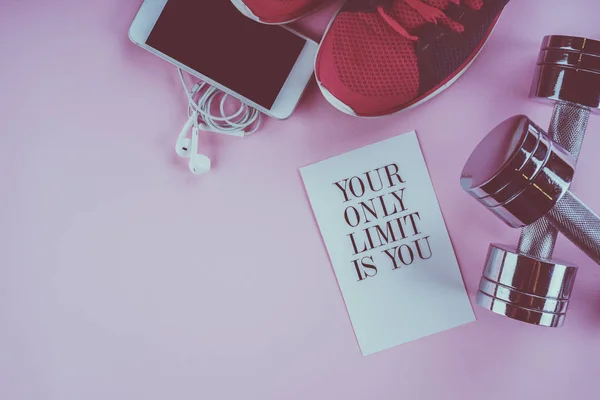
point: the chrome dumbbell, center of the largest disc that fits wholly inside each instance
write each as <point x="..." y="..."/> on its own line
<point x="567" y="73"/>
<point x="524" y="283"/>
<point x="520" y="174"/>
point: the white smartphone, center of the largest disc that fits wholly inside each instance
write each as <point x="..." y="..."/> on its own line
<point x="265" y="66"/>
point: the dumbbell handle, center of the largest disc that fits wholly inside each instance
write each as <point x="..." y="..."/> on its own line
<point x="567" y="127"/>
<point x="578" y="223"/>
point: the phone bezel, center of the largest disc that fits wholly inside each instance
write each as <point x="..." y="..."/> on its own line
<point x="288" y="96"/>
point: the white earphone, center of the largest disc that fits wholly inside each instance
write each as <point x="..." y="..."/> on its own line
<point x="186" y="147"/>
<point x="245" y="121"/>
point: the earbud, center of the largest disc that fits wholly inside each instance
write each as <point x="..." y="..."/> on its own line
<point x="183" y="146"/>
<point x="186" y="147"/>
<point x="199" y="163"/>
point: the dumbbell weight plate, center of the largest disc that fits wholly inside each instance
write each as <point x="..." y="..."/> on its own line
<point x="525" y="197"/>
<point x="568" y="70"/>
<point x="526" y="289"/>
<point x="515" y="152"/>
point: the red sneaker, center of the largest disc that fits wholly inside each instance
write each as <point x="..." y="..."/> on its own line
<point x="277" y="11"/>
<point x="383" y="56"/>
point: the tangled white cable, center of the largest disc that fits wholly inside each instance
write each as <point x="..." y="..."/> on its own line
<point x="245" y="121"/>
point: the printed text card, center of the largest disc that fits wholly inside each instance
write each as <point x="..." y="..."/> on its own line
<point x="387" y="241"/>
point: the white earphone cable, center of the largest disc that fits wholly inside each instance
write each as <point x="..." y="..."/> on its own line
<point x="245" y="121"/>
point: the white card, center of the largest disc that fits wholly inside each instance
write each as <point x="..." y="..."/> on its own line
<point x="388" y="243"/>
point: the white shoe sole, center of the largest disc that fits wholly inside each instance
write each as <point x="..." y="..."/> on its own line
<point x="244" y="9"/>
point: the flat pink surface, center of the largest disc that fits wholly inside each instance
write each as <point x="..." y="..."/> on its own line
<point x="122" y="276"/>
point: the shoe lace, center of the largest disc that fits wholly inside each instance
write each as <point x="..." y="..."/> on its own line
<point x="428" y="12"/>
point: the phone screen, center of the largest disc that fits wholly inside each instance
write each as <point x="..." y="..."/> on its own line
<point x="213" y="38"/>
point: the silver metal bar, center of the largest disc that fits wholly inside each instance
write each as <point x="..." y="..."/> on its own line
<point x="578" y="223"/>
<point x="567" y="128"/>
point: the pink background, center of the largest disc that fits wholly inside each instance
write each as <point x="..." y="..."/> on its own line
<point x="122" y="276"/>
